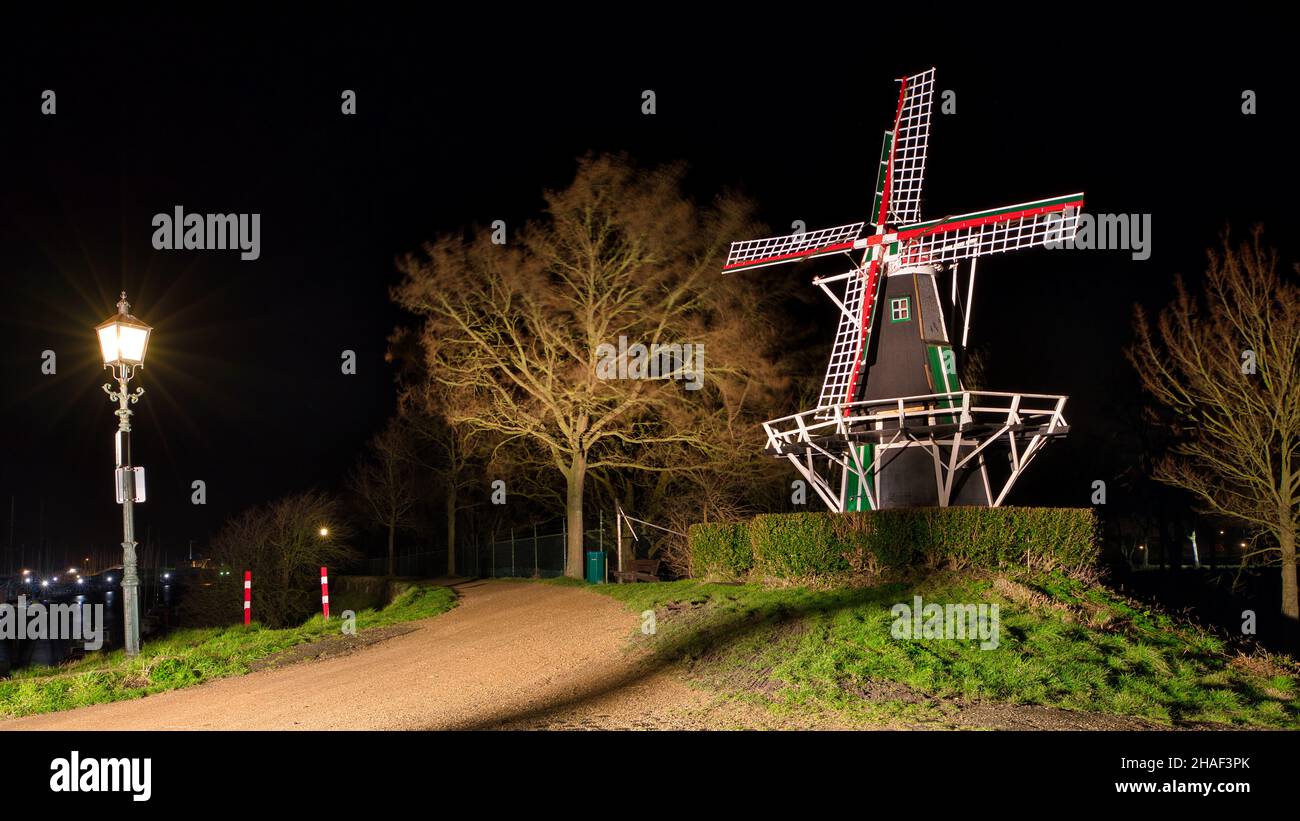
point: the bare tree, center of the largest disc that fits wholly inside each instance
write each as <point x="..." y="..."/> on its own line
<point x="1228" y="374"/>
<point x="454" y="460"/>
<point x="974" y="368"/>
<point x="283" y="544"/>
<point x="619" y="258"/>
<point x="386" y="483"/>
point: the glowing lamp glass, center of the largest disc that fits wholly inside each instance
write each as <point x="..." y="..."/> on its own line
<point x="123" y="340"/>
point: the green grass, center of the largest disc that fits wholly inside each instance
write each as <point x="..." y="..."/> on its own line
<point x="187" y="657"/>
<point x="1063" y="643"/>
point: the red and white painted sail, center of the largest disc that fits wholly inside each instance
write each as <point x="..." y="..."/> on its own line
<point x="755" y="253"/>
<point x="910" y="144"/>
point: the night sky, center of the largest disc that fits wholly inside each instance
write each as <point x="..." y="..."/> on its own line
<point x="466" y="121"/>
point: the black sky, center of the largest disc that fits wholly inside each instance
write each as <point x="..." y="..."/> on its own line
<point x="466" y="121"/>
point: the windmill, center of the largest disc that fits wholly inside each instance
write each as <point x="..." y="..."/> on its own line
<point x="893" y="426"/>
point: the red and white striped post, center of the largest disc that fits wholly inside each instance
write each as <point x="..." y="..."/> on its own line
<point x="248" y="597"/>
<point x="325" y="592"/>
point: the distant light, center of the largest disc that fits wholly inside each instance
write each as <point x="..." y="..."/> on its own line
<point x="324" y="531"/>
<point x="72" y="570"/>
<point x="81" y="581"/>
<point x="45" y="583"/>
<point x="1220" y="532"/>
<point x="167" y="575"/>
<point x="110" y="579"/>
<point x="1243" y="544"/>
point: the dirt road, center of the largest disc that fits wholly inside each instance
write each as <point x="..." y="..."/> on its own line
<point x="511" y="654"/>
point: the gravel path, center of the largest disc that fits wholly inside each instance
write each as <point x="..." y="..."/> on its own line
<point x="511" y="654"/>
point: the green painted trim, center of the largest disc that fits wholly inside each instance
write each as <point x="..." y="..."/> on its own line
<point x="950" y="381"/>
<point x="854" y="499"/>
<point x="884" y="169"/>
<point x="944" y="381"/>
<point x="907" y="303"/>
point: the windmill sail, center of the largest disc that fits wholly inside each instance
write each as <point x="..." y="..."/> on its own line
<point x="849" y="338"/>
<point x="911" y="141"/>
<point x="952" y="239"/>
<point x="755" y="253"/>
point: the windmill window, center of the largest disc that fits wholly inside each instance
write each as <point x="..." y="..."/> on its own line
<point x="900" y="309"/>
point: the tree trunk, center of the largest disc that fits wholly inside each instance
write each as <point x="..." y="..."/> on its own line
<point x="577" y="475"/>
<point x="392" y="553"/>
<point x="451" y="531"/>
<point x="1290" y="595"/>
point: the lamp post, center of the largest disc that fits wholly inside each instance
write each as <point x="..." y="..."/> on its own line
<point x="123" y="340"/>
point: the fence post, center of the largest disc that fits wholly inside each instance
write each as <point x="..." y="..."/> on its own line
<point x="248" y="597"/>
<point x="618" y="539"/>
<point x="325" y="592"/>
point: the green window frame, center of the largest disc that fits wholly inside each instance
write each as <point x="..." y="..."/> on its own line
<point x="900" y="309"/>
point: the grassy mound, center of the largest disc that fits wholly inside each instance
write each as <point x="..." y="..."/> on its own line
<point x="1062" y="643"/>
<point x="188" y="657"/>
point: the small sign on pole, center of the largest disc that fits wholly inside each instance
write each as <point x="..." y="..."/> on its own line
<point x="325" y="592"/>
<point x="130" y="483"/>
<point x="248" y="597"/>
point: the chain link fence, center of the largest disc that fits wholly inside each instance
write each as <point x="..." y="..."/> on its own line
<point x="521" y="552"/>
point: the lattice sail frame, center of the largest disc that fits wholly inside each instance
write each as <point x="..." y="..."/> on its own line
<point x="756" y="253"/>
<point x="911" y="141"/>
<point x="849" y="336"/>
<point x="1027" y="225"/>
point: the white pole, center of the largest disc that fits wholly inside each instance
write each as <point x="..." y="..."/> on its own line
<point x="970" y="297"/>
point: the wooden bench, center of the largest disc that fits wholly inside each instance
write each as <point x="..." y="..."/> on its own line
<point x="638" y="570"/>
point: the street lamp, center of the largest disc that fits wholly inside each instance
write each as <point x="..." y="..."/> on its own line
<point x="122" y="341"/>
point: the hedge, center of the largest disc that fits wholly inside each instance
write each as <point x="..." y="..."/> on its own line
<point x="720" y="550"/>
<point x="810" y="545"/>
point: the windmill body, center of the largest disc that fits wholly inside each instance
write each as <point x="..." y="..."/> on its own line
<point x="893" y="426"/>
